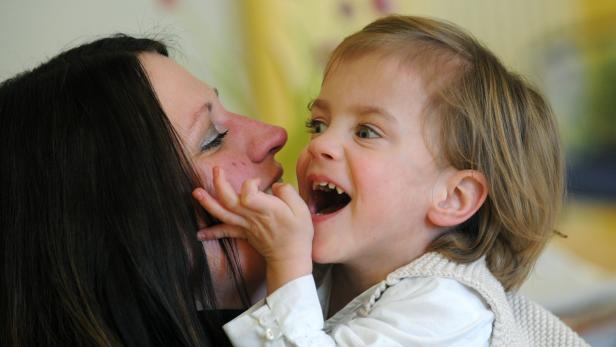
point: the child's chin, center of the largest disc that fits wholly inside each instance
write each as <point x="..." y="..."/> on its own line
<point x="321" y="254"/>
<point x="320" y="259"/>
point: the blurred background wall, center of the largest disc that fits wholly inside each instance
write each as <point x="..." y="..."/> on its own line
<point x="266" y="58"/>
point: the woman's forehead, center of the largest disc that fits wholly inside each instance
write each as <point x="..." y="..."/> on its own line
<point x="183" y="97"/>
<point x="169" y="78"/>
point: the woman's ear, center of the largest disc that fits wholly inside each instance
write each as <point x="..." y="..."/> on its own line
<point x="457" y="197"/>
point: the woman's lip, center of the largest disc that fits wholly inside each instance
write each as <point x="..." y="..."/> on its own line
<point x="277" y="178"/>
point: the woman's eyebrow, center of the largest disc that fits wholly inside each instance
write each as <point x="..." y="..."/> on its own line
<point x="197" y="115"/>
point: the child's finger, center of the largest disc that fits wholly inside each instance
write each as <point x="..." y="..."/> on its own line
<point x="250" y="188"/>
<point x="221" y="231"/>
<point x="224" y="191"/>
<point x="291" y="198"/>
<point x="257" y="201"/>
<point x="201" y="195"/>
<point x="217" y="210"/>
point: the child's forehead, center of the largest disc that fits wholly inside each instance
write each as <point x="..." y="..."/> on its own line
<point x="374" y="74"/>
<point x="434" y="66"/>
<point x="377" y="78"/>
<point x="373" y="85"/>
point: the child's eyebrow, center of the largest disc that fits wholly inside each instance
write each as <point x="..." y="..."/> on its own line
<point x="364" y="110"/>
<point x="318" y="103"/>
<point x="361" y="110"/>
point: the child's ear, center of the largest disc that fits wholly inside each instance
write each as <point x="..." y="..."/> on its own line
<point x="457" y="197"/>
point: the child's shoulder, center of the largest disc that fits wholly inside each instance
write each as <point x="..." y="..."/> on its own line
<point x="453" y="290"/>
<point x="436" y="306"/>
<point x="434" y="280"/>
<point x="433" y="264"/>
<point x="437" y="294"/>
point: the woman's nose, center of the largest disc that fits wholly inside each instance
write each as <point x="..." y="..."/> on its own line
<point x="265" y="139"/>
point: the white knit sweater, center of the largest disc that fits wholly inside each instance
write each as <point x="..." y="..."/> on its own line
<point x="517" y="320"/>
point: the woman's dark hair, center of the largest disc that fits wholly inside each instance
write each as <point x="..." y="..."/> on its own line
<point x="96" y="215"/>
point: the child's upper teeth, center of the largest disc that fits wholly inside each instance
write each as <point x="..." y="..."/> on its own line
<point x="326" y="186"/>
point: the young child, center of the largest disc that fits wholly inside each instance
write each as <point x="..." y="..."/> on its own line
<point x="433" y="178"/>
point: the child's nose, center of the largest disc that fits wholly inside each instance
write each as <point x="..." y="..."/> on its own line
<point x="325" y="147"/>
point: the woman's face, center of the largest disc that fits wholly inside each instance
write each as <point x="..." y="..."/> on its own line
<point x="213" y="136"/>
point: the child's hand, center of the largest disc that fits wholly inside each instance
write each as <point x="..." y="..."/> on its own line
<point x="279" y="227"/>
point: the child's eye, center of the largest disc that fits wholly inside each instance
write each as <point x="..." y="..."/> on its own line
<point x="366" y="132"/>
<point x="213" y="141"/>
<point x="315" y="126"/>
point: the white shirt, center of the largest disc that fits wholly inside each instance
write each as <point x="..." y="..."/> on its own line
<point x="416" y="311"/>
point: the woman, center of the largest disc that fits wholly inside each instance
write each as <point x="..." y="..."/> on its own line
<point x="100" y="149"/>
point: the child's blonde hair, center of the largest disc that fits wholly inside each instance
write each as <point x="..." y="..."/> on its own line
<point x="489" y="120"/>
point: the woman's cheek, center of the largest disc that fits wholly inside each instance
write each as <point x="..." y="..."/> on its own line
<point x="253" y="272"/>
<point x="204" y="171"/>
<point x="253" y="266"/>
<point x="235" y="173"/>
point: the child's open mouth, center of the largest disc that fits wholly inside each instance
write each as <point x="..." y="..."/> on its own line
<point x="326" y="198"/>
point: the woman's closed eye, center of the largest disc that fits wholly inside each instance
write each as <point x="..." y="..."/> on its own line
<point x="213" y="139"/>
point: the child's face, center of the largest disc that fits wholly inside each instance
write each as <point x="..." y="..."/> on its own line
<point x="368" y="141"/>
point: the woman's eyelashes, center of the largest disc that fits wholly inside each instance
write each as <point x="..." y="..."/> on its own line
<point x="213" y="139"/>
